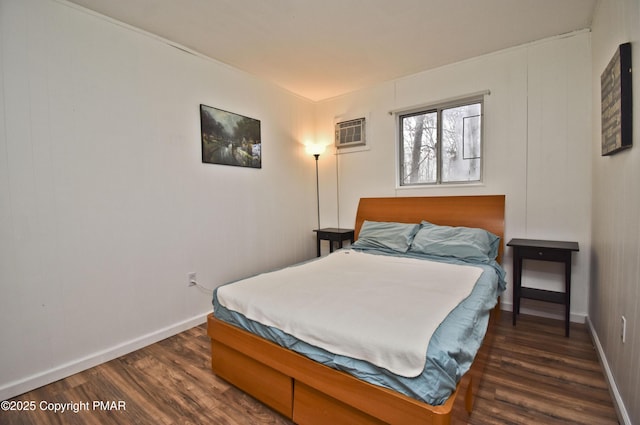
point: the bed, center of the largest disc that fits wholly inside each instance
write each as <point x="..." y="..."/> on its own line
<point x="309" y="392"/>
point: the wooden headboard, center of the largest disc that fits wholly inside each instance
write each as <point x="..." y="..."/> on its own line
<point x="486" y="212"/>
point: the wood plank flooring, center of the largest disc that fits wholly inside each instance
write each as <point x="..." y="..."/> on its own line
<point x="534" y="376"/>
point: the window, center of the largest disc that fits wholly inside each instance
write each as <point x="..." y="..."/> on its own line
<point x="441" y="144"/>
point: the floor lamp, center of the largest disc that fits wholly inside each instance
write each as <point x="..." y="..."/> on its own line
<point x="316" y="150"/>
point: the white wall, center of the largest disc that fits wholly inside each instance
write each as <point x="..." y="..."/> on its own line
<point x="536" y="149"/>
<point x="105" y="205"/>
<point x="615" y="263"/>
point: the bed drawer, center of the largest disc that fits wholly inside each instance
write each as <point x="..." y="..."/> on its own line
<point x="315" y="408"/>
<point x="264" y="383"/>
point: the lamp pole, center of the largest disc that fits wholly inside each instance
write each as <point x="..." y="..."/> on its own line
<point x="317" y="155"/>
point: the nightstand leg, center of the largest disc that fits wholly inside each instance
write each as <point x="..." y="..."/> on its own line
<point x="567" y="295"/>
<point x="517" y="283"/>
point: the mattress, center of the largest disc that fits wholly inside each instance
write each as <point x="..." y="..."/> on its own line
<point x="446" y="354"/>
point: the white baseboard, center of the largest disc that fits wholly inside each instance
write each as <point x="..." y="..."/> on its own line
<point x="32" y="382"/>
<point x="623" y="415"/>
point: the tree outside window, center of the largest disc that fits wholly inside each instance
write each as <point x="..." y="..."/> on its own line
<point x="441" y="144"/>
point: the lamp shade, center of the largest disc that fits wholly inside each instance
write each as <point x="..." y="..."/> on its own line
<point x="315" y="148"/>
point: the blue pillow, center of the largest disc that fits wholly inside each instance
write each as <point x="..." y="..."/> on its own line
<point x="386" y="235"/>
<point x="465" y="243"/>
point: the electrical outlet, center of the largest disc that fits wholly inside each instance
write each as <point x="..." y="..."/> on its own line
<point x="623" y="331"/>
<point x="191" y="277"/>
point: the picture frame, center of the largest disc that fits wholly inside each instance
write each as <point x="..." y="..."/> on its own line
<point x="616" y="99"/>
<point x="229" y="139"/>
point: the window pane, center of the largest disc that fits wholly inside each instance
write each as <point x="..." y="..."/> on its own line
<point x="419" y="148"/>
<point x="461" y="143"/>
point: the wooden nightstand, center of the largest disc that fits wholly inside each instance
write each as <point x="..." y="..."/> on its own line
<point x="558" y="251"/>
<point x="333" y="234"/>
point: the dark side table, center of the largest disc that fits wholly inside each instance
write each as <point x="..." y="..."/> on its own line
<point x="532" y="249"/>
<point x="333" y="234"/>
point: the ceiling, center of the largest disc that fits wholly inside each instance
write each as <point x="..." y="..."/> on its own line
<point x="321" y="49"/>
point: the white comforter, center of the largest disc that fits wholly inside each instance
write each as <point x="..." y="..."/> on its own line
<point x="380" y="309"/>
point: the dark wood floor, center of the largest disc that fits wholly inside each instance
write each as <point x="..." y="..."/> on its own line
<point x="534" y="376"/>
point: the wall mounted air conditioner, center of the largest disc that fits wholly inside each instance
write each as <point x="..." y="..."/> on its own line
<point x="350" y="133"/>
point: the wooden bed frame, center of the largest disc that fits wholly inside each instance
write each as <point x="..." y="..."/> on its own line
<point x="310" y="393"/>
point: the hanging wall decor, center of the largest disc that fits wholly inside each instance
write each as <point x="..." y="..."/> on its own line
<point x="615" y="89"/>
<point x="230" y="139"/>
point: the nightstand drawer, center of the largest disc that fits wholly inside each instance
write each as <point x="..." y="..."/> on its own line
<point x="327" y="235"/>
<point x="543" y="254"/>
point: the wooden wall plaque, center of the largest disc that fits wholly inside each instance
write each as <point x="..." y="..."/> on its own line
<point x="616" y="95"/>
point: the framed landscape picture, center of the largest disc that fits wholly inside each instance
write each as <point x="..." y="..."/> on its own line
<point x="616" y="95"/>
<point x="230" y="139"/>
